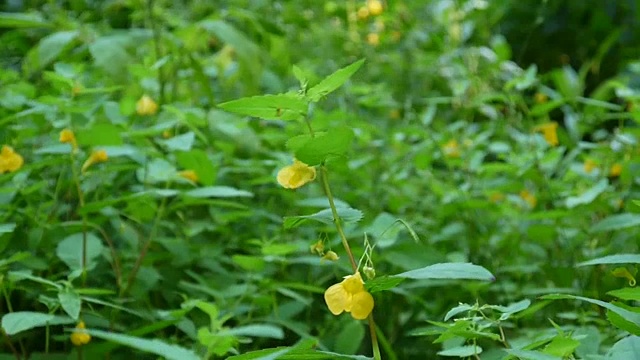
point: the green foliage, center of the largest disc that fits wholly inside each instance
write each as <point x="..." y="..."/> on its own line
<point x="487" y="198"/>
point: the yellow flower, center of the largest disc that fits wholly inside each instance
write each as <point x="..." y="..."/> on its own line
<point x="616" y="170"/>
<point x="79" y="338"/>
<point x="146" y="106"/>
<point x="375" y="7"/>
<point x="549" y="131"/>
<point x="10" y="160"/>
<point x="373" y="39"/>
<point x="330" y="255"/>
<point x="97" y="156"/>
<point x="540" y="98"/>
<point x="189" y="175"/>
<point x="363" y="13"/>
<point x="496" y="196"/>
<point x="317" y="247"/>
<point x="68" y="137"/>
<point x="451" y="149"/>
<point x="350" y="296"/>
<point x="589" y="166"/>
<point x="529" y="198"/>
<point x="296" y="175"/>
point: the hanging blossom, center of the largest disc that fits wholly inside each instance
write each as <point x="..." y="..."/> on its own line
<point x="79" y="338"/>
<point x="68" y="137"/>
<point x="296" y="175"/>
<point x="550" y="132"/>
<point x="350" y="296"/>
<point x="97" y="156"/>
<point x="10" y="160"/>
<point x="146" y="106"/>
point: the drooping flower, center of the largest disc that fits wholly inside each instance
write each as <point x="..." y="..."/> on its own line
<point x="616" y="170"/>
<point x="189" y="175"/>
<point x="451" y="149"/>
<point x="529" y="198"/>
<point x="296" y="175"/>
<point x="146" y="106"/>
<point x="10" y="160"/>
<point x="349" y="296"/>
<point x="549" y="131"/>
<point x="317" y="247"/>
<point x="374" y="7"/>
<point x="79" y="338"/>
<point x="330" y="255"/>
<point x="68" y="137"/>
<point x="97" y="156"/>
<point x="589" y="166"/>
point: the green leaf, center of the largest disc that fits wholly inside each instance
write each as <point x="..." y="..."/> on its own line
<point x="588" y="196"/>
<point x="100" y="134"/>
<point x="461" y="351"/>
<point x="198" y="161"/>
<point x="182" y="142"/>
<point x="383" y="283"/>
<point x="48" y="49"/>
<point x="335" y="142"/>
<point x="333" y="81"/>
<point x="218" y="192"/>
<point x="70" y="302"/>
<point x="248" y="262"/>
<point x="530" y="355"/>
<point x="154" y="346"/>
<point x="628" y="315"/>
<point x="70" y="251"/>
<point x="457" y="310"/>
<point x="156" y="171"/>
<point x="616" y="222"/>
<point x="350" y="337"/>
<point x="449" y="271"/>
<point x="281" y="106"/>
<point x="110" y="55"/>
<point x="562" y="346"/>
<point x="7" y="228"/>
<point x="507" y="311"/>
<point x="627" y="294"/>
<point x="622" y="323"/>
<point x="324" y="216"/>
<point x="613" y="259"/>
<point x="627" y="348"/>
<point x="22" y="20"/>
<point x="257" y="330"/>
<point x="16" y="322"/>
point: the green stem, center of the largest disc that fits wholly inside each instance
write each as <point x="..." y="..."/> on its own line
<point x="157" y="38"/>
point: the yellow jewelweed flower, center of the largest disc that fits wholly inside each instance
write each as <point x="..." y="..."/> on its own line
<point x="68" y="137"/>
<point x="616" y="170"/>
<point x="451" y="149"/>
<point x="375" y="7"/>
<point x="79" y="338"/>
<point x="363" y="13"/>
<point x="373" y="39"/>
<point x="317" y="247"/>
<point x="330" y="255"/>
<point x="10" y="160"/>
<point x="549" y="131"/>
<point x="296" y="175"/>
<point x="529" y="198"/>
<point x="97" y="156"/>
<point x="589" y="166"/>
<point x="146" y="106"/>
<point x="189" y="175"/>
<point x="350" y="296"/>
<point x="540" y="98"/>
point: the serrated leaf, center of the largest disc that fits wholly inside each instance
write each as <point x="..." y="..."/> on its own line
<point x="588" y="196"/>
<point x="333" y="81"/>
<point x="257" y="330"/>
<point x="382" y="283"/>
<point x="461" y="351"/>
<point x="613" y="259"/>
<point x="449" y="271"/>
<point x="20" y="321"/>
<point x="324" y="216"/>
<point x="627" y="294"/>
<point x="153" y="346"/>
<point x="335" y="142"/>
<point x="457" y="310"/>
<point x="281" y="106"/>
<point x="616" y="222"/>
<point x="22" y="20"/>
<point x="218" y="192"/>
<point x="70" y="302"/>
<point x="622" y="323"/>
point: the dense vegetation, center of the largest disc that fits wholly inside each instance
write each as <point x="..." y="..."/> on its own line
<point x="316" y="180"/>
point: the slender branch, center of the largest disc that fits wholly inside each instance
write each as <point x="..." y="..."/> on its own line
<point x="10" y="345"/>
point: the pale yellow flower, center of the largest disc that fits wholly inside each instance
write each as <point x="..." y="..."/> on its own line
<point x="79" y="338"/>
<point x="189" y="175"/>
<point x="373" y="39"/>
<point x="451" y="149"/>
<point x="589" y="166"/>
<point x="97" y="156"/>
<point x="529" y="198"/>
<point x="550" y="132"/>
<point x="375" y="7"/>
<point x="330" y="255"/>
<point x="146" y="106"/>
<point x="10" y="160"/>
<point x="296" y="175"/>
<point x="68" y="137"/>
<point x="349" y="296"/>
<point x="363" y="13"/>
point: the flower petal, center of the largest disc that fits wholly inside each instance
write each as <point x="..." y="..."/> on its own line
<point x="361" y="305"/>
<point x="336" y="298"/>
<point x="353" y="283"/>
